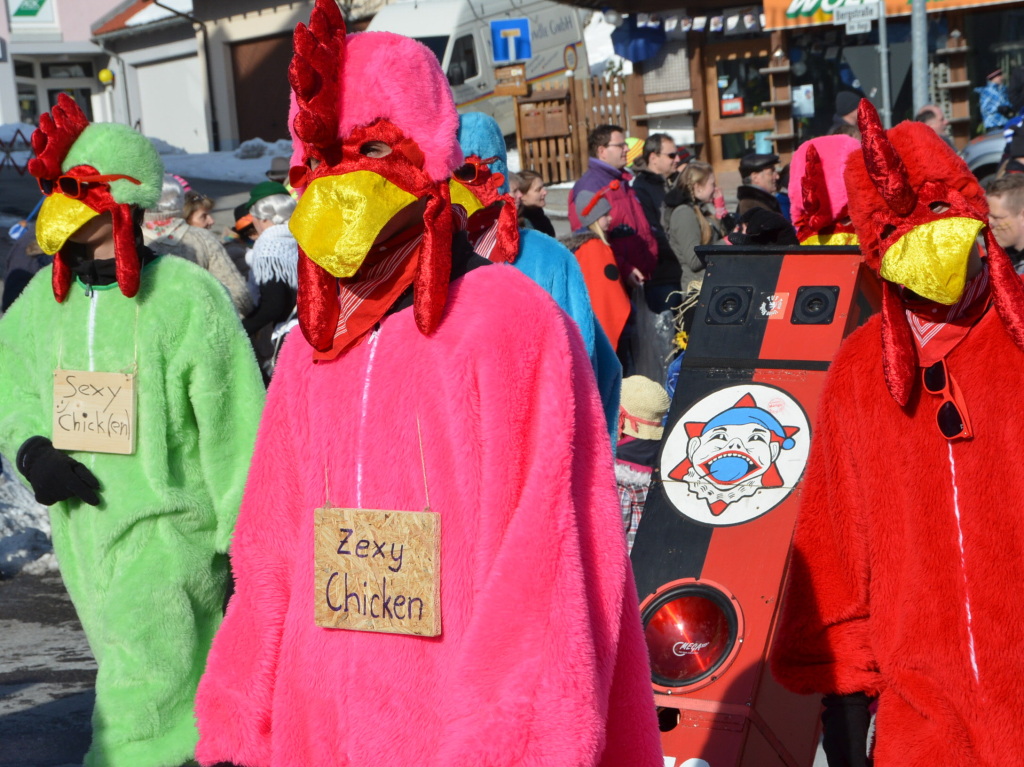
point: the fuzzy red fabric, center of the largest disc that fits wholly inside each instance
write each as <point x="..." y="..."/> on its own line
<point x="484" y="186"/>
<point x="906" y="554"/>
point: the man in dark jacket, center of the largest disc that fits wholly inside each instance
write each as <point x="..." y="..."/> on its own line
<point x="760" y="183"/>
<point x="660" y="159"/>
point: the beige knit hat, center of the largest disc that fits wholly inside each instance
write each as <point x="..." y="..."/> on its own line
<point x="642" y="407"/>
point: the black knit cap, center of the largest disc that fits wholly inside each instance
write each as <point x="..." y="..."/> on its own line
<point x="752" y="163"/>
<point x="846" y="102"/>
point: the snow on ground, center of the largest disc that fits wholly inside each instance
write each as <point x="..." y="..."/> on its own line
<point x="248" y="164"/>
<point x="24" y="529"/>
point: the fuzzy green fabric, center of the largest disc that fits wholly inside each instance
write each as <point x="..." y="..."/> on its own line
<point x="111" y="148"/>
<point x="147" y="569"/>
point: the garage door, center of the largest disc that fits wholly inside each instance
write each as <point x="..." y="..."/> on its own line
<point x="171" y="96"/>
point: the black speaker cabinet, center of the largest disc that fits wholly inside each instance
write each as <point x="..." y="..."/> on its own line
<point x="711" y="549"/>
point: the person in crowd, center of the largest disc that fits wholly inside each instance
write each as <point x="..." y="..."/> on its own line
<point x="141" y="514"/>
<point x="641" y="415"/>
<point x="590" y="246"/>
<point x="480" y="188"/>
<point x="933" y="116"/>
<point x="898" y="495"/>
<point x="658" y="162"/>
<point x="845" y="119"/>
<point x="454" y="387"/>
<point x="758" y="226"/>
<point x="1005" y="197"/>
<point x="166" y="232"/>
<point x="690" y="222"/>
<point x="273" y="267"/>
<point x="279" y="167"/>
<point x="993" y="102"/>
<point x="198" y="210"/>
<point x="782" y="195"/>
<point x="760" y="177"/>
<point x="532" y="197"/>
<point x="24" y="260"/>
<point x="1014" y="153"/>
<point x="631" y="238"/>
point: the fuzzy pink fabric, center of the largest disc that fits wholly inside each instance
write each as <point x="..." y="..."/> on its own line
<point x="542" y="661"/>
<point x="388" y="75"/>
<point x="896" y="579"/>
<point x="834" y="151"/>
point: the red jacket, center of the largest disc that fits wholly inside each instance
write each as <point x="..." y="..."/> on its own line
<point x="908" y="556"/>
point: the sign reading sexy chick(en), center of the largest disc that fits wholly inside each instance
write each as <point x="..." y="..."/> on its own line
<point x="94" y="412"/>
<point x="378" y="570"/>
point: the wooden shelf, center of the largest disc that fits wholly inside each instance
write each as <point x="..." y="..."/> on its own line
<point x="780" y="136"/>
<point x="771" y="104"/>
<point x="959" y="84"/>
<point x="774" y="70"/>
<point x="952" y="51"/>
<point x="670" y="113"/>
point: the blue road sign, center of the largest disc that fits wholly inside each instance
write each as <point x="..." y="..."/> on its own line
<point x="510" y="39"/>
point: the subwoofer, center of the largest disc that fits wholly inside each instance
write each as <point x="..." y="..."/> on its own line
<point x="710" y="555"/>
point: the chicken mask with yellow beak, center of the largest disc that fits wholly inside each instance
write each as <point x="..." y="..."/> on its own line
<point x="918" y="211"/>
<point x="374" y="128"/>
<point x="86" y="170"/>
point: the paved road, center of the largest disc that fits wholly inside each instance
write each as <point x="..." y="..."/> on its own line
<point x="47" y="675"/>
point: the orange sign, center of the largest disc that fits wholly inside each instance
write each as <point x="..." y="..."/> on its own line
<point x="785" y="14"/>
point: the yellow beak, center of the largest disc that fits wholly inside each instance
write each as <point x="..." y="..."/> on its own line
<point x="339" y="217"/>
<point x="931" y="259"/>
<point x="836" y="238"/>
<point x="59" y="218"/>
<point x="462" y="196"/>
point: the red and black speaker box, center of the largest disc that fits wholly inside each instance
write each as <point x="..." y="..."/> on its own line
<point x="710" y="555"/>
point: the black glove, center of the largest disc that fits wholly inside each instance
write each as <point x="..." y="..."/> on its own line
<point x="55" y="476"/>
<point x="845" y="721"/>
<point x="1007" y="111"/>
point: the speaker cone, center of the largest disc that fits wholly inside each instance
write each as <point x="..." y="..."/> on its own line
<point x="815" y="305"/>
<point x="729" y="305"/>
<point x="692" y="631"/>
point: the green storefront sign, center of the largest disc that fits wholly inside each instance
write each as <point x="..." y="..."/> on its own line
<point x="29" y="8"/>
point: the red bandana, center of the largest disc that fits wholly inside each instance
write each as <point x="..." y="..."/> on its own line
<point x="387" y="272"/>
<point x="938" y="329"/>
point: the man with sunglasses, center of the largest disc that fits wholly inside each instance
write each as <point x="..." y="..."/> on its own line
<point x="630" y="233"/>
<point x="908" y="549"/>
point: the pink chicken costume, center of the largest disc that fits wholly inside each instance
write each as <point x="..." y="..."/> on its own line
<point x="474" y="400"/>
<point x="909" y="542"/>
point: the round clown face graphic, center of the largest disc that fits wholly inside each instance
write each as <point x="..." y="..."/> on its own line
<point x="735" y="454"/>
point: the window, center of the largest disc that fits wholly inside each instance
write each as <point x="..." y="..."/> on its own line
<point x="82" y="97"/>
<point x="462" y="65"/>
<point x="28" y="104"/>
<point x="23" y="68"/>
<point x="437" y="46"/>
<point x="68" y="69"/>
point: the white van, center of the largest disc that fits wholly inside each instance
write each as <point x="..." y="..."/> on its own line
<point x="459" y="34"/>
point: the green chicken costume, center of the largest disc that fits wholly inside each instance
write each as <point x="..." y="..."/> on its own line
<point x="146" y="566"/>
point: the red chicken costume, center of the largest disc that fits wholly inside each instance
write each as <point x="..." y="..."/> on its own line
<point x="910" y="536"/>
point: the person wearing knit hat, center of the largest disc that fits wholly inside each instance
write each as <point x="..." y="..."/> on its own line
<point x="166" y="232"/>
<point x="641" y="414"/>
<point x="597" y="261"/>
<point x="130" y="404"/>
<point x="845" y="118"/>
<point x="446" y="399"/>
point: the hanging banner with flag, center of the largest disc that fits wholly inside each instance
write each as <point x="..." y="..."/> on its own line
<point x="788" y="14"/>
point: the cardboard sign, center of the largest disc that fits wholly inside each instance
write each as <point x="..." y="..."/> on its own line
<point x="94" y="411"/>
<point x="378" y="571"/>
